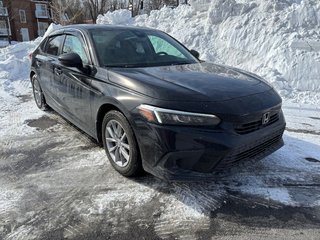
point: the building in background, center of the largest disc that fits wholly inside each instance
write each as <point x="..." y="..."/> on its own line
<point x="24" y="20"/>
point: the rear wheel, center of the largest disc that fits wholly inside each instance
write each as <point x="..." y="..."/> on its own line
<point x="38" y="94"/>
<point x="120" y="144"/>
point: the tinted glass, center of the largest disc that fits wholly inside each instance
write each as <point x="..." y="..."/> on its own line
<point x="53" y="45"/>
<point x="74" y="44"/>
<point x="138" y="48"/>
<point x="43" y="45"/>
<point x="163" y="47"/>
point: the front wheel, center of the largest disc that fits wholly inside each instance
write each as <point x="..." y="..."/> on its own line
<point x="38" y="94"/>
<point x="120" y="144"/>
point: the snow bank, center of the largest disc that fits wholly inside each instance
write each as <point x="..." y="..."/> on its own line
<point x="277" y="39"/>
<point x="14" y="59"/>
<point x="5" y="43"/>
<point x="51" y="28"/>
<point x="15" y="62"/>
<point x="122" y="16"/>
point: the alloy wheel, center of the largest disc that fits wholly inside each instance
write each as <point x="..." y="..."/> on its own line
<point x="117" y="143"/>
<point x="37" y="92"/>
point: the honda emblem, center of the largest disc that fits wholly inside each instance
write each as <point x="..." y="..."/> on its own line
<point x="266" y="118"/>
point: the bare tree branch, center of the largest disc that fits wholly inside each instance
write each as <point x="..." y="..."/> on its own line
<point x="95" y="7"/>
<point x="67" y="11"/>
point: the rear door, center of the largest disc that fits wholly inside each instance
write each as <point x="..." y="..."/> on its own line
<point x="46" y="61"/>
<point x="74" y="83"/>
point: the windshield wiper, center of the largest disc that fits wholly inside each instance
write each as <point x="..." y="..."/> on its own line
<point x="154" y="64"/>
<point x="180" y="63"/>
<point x="121" y="65"/>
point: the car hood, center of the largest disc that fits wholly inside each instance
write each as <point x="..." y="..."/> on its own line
<point x="189" y="82"/>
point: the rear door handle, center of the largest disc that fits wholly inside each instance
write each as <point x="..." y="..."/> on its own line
<point x="58" y="71"/>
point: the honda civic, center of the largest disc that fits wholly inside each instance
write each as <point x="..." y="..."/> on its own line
<point x="153" y="104"/>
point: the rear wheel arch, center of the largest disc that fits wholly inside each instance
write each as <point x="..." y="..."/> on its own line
<point x="32" y="73"/>
<point x="38" y="93"/>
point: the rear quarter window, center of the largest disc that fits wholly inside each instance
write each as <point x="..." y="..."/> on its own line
<point x="42" y="45"/>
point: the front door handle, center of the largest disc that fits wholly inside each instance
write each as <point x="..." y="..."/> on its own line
<point x="58" y="71"/>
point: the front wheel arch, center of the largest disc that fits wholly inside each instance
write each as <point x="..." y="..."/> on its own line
<point x="134" y="165"/>
<point x="103" y="110"/>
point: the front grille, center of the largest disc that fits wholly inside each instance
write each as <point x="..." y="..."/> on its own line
<point x="264" y="147"/>
<point x="251" y="153"/>
<point x="255" y="125"/>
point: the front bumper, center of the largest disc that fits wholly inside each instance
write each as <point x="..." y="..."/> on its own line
<point x="186" y="153"/>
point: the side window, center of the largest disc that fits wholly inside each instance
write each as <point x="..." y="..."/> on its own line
<point x="53" y="44"/>
<point x="162" y="46"/>
<point x="74" y="44"/>
<point x="43" y="45"/>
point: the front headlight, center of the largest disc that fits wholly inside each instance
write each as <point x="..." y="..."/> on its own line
<point x="173" y="117"/>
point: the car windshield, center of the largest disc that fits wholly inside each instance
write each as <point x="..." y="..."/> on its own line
<point x="138" y="48"/>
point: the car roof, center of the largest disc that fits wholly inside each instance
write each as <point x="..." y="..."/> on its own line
<point x="87" y="27"/>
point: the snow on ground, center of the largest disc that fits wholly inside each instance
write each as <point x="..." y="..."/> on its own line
<point x="14" y="80"/>
<point x="278" y="40"/>
<point x="60" y="180"/>
<point x="4" y="43"/>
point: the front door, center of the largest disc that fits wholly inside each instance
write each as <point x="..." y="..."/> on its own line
<point x="25" y="34"/>
<point x="74" y="83"/>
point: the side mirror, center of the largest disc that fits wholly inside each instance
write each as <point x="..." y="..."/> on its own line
<point x="195" y="53"/>
<point x="71" y="60"/>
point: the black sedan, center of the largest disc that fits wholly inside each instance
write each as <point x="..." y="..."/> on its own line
<point x="152" y="103"/>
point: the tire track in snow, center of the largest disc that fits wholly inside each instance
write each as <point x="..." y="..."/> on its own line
<point x="187" y="210"/>
<point x="205" y="197"/>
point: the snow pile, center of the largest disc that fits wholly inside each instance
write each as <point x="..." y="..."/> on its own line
<point x="122" y="16"/>
<point x="277" y="39"/>
<point x="5" y="43"/>
<point x="15" y="62"/>
<point x="51" y="28"/>
<point x="14" y="59"/>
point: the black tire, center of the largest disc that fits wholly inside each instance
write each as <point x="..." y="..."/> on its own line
<point x="38" y="94"/>
<point x="133" y="166"/>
